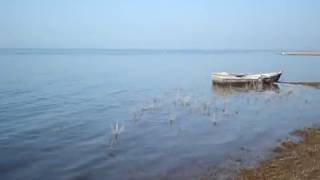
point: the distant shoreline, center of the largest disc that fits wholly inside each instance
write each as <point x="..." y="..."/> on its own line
<point x="301" y="53"/>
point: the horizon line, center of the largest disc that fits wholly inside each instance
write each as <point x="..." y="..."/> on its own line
<point x="151" y="49"/>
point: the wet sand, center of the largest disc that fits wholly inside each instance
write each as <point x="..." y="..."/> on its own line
<point x="291" y="160"/>
<point x="294" y="160"/>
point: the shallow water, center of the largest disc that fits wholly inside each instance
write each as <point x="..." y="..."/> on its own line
<point x="58" y="109"/>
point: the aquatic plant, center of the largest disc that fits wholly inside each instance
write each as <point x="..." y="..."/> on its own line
<point x="117" y="129"/>
<point x="182" y="100"/>
<point x="137" y="115"/>
<point x="147" y="107"/>
<point x="172" y="118"/>
<point x="248" y="100"/>
<point x="205" y="109"/>
<point x="155" y="100"/>
<point x="177" y="97"/>
<point x="150" y="105"/>
<point x="214" y="118"/>
<point x="144" y="107"/>
<point x="185" y="100"/>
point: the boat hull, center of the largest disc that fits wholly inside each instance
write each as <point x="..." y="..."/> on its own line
<point x="226" y="78"/>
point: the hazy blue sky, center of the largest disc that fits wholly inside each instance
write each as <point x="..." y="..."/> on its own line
<point x="209" y="24"/>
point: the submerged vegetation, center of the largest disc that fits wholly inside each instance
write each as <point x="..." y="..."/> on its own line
<point x="180" y="110"/>
<point x="179" y="105"/>
<point x="116" y="130"/>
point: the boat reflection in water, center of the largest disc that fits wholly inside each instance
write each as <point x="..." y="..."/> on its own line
<point x="230" y="89"/>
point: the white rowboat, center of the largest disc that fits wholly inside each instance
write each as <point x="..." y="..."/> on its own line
<point x="230" y="78"/>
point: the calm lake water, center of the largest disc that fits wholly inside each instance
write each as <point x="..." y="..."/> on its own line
<point x="58" y="109"/>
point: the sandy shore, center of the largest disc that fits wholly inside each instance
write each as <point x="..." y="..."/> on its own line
<point x="302" y="53"/>
<point x="292" y="160"/>
<point x="289" y="161"/>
